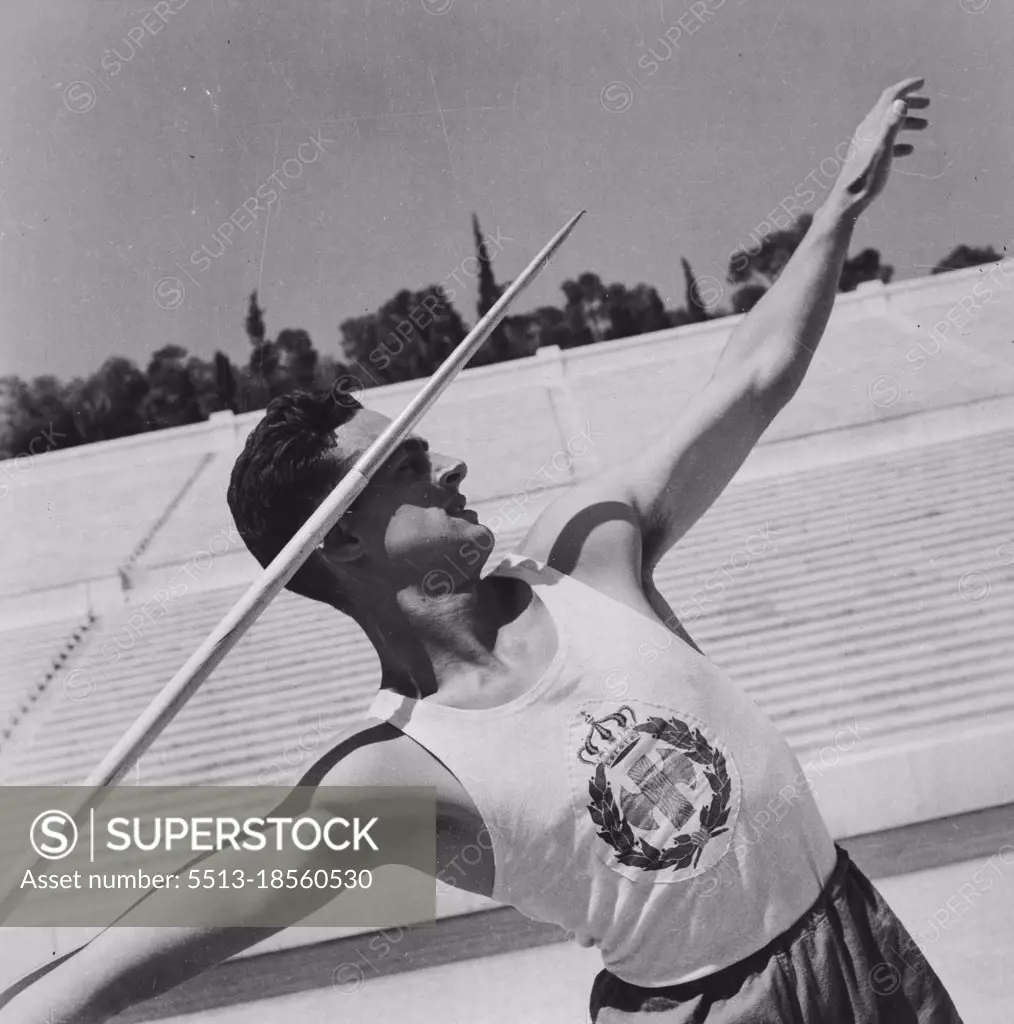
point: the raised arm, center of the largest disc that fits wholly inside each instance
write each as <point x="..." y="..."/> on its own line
<point x="637" y="511"/>
<point x="765" y="360"/>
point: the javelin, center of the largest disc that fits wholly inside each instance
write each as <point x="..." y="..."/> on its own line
<point x="174" y="695"/>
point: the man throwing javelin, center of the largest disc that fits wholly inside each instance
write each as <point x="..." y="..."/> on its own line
<point x="625" y="818"/>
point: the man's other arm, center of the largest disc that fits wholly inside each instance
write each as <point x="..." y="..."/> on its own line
<point x="129" y="964"/>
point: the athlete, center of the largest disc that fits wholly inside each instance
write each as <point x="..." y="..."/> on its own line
<point x="563" y="714"/>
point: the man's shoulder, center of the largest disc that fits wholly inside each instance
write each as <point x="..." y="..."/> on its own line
<point x="370" y="753"/>
<point x="376" y="753"/>
<point x="593" y="535"/>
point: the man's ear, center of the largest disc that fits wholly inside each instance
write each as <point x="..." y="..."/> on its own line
<point x="340" y="546"/>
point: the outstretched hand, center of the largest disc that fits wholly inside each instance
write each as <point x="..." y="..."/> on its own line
<point x="874" y="144"/>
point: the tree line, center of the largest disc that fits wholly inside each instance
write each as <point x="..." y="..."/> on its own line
<point x="408" y="337"/>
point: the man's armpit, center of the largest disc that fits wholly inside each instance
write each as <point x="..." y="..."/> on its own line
<point x="585" y="533"/>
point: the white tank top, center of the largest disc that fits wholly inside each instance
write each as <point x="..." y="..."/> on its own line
<point x="632" y="794"/>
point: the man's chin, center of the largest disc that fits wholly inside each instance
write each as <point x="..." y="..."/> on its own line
<point x="473" y="541"/>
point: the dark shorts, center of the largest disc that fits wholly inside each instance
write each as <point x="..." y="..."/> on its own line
<point x="847" y="959"/>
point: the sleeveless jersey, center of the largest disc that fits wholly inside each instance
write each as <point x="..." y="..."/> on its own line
<point x="634" y="796"/>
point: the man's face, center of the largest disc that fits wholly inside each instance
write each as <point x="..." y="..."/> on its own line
<point x="411" y="515"/>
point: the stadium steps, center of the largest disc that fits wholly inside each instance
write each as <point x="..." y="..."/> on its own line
<point x="200" y="513"/>
<point x="79" y="524"/>
<point x="853" y="612"/>
<point x="31" y="659"/>
<point x="857" y="608"/>
<point x="861" y="357"/>
<point x="127" y="667"/>
<point x="167" y="514"/>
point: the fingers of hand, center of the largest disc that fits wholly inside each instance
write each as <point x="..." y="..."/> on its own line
<point x="897" y="100"/>
<point x="898" y="118"/>
<point x="901" y="89"/>
<point x="891" y="116"/>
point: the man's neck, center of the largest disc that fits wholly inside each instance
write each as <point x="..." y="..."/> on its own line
<point x="468" y="637"/>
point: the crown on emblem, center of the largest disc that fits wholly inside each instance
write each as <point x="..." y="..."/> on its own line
<point x="609" y="737"/>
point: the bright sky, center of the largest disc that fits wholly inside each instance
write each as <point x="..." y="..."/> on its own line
<point x="107" y="186"/>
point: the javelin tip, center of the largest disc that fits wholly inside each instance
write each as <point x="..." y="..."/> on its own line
<point x="554" y="243"/>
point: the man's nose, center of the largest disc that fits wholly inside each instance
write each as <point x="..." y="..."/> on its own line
<point x="450" y="472"/>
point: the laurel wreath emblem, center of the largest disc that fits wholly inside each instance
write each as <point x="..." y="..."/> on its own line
<point x="686" y="849"/>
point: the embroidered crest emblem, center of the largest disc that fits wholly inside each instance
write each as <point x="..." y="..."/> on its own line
<point x="660" y="792"/>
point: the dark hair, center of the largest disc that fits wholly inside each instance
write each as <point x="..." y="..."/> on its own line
<point x="288" y="466"/>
